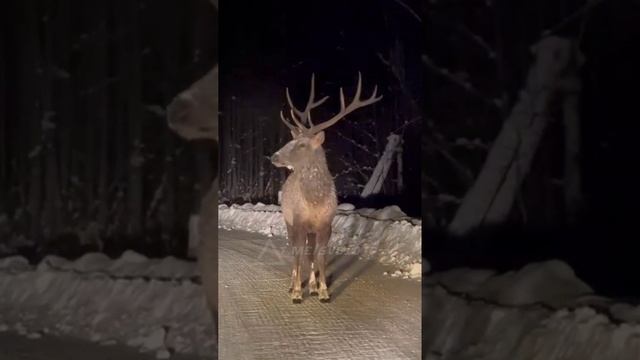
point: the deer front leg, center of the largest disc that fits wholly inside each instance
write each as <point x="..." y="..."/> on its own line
<point x="321" y="262"/>
<point x="293" y="273"/>
<point x="296" y="279"/>
<point x="310" y="250"/>
<point x="297" y="240"/>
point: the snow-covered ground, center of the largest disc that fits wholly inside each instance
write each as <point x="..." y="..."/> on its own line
<point x="542" y="311"/>
<point x="155" y="305"/>
<point x="386" y="235"/>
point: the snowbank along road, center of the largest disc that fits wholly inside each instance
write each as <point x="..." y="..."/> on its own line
<point x="370" y="316"/>
<point x="16" y="347"/>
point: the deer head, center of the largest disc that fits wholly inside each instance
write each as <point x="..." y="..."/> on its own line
<point x="193" y="114"/>
<point x="307" y="137"/>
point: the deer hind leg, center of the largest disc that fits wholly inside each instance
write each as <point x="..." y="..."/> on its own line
<point x="310" y="250"/>
<point x="321" y="262"/>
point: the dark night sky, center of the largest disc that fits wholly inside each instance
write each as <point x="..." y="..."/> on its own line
<point x="610" y="112"/>
<point x="611" y="104"/>
<point x="333" y="38"/>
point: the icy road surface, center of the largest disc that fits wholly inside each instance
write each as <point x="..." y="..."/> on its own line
<point x="370" y="316"/>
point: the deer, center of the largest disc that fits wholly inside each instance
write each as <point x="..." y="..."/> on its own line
<point x="193" y="115"/>
<point x="308" y="195"/>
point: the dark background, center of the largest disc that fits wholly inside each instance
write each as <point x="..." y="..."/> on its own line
<point x="81" y="81"/>
<point x="267" y="46"/>
<point x="86" y="159"/>
<point x="601" y="245"/>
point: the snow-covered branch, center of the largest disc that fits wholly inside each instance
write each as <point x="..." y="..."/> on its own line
<point x="460" y="82"/>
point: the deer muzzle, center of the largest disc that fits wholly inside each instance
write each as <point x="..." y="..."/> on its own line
<point x="275" y="160"/>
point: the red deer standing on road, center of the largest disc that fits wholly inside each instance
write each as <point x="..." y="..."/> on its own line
<point x="308" y="195"/>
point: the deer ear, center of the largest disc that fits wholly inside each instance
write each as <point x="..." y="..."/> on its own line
<point x="317" y="139"/>
<point x="294" y="134"/>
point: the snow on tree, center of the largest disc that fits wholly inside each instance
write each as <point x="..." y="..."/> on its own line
<point x="491" y="198"/>
<point x="374" y="185"/>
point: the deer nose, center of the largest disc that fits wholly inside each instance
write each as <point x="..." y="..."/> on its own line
<point x="274" y="158"/>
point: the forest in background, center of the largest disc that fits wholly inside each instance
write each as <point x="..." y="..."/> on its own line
<point x="280" y="44"/>
<point x="478" y="56"/>
<point x="86" y="157"/>
<point x="569" y="192"/>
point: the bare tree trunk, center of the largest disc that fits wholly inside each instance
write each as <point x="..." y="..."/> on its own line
<point x="134" y="117"/>
<point x="89" y="158"/>
<point x="121" y="164"/>
<point x="490" y="199"/>
<point x="261" y="161"/>
<point x="87" y="115"/>
<point x="169" y="204"/>
<point x="63" y="96"/>
<point x="374" y="185"/>
<point x="51" y="215"/>
<point x="400" y="176"/>
<point x="3" y="134"/>
<point x="53" y="206"/>
<point x="572" y="129"/>
<point x="98" y="76"/>
<point x="170" y="62"/>
<point x="30" y="108"/>
<point x="120" y="218"/>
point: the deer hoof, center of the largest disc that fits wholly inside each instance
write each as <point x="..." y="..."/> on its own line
<point x="313" y="289"/>
<point x="296" y="296"/>
<point x="323" y="295"/>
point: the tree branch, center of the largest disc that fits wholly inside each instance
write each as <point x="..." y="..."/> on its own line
<point x="461" y="83"/>
<point x="410" y="10"/>
<point x="478" y="40"/>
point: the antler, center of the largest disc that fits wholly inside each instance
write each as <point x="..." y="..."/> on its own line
<point x="293" y="128"/>
<point x="356" y="103"/>
<point x="305" y="116"/>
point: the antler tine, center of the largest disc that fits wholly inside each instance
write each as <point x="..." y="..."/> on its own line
<point x="293" y="107"/>
<point x="284" y="120"/>
<point x="305" y="116"/>
<point x="356" y="103"/>
<point x="358" y="88"/>
<point x="293" y="110"/>
<point x="313" y="104"/>
<point x="295" y="119"/>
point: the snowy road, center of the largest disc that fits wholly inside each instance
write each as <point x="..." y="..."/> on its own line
<point x="16" y="347"/>
<point x="370" y="316"/>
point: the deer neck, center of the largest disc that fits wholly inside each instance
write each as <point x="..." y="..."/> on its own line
<point x="315" y="167"/>
<point x="314" y="178"/>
